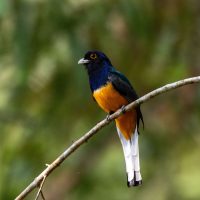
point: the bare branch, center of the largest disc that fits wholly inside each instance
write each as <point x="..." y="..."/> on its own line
<point x="51" y="167"/>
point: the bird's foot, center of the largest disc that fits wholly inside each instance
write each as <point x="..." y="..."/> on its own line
<point x="108" y="117"/>
<point x="123" y="109"/>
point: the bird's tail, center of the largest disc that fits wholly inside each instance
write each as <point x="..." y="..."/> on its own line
<point x="131" y="154"/>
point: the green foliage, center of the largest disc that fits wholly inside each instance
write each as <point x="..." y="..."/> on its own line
<point x="45" y="101"/>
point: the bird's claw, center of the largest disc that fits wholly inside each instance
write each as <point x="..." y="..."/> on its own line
<point x="123" y="109"/>
<point x="108" y="117"/>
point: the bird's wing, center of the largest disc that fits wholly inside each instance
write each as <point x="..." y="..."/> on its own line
<point x="123" y="86"/>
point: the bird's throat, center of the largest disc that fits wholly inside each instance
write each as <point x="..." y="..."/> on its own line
<point x="98" y="78"/>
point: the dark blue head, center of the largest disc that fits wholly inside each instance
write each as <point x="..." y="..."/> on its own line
<point x="98" y="67"/>
<point x="94" y="60"/>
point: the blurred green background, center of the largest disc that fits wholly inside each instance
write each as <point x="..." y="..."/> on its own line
<point x="45" y="100"/>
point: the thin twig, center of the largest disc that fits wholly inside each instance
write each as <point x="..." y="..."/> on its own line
<point x="40" y="189"/>
<point x="42" y="195"/>
<point x="51" y="167"/>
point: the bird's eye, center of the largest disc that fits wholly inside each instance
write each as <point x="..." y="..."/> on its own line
<point x="93" y="56"/>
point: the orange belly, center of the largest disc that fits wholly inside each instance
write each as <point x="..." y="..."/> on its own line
<point x="111" y="100"/>
<point x="108" y="98"/>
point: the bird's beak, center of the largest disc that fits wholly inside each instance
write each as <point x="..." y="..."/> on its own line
<point x="83" y="61"/>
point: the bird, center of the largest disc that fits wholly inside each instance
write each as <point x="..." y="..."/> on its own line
<point x="112" y="91"/>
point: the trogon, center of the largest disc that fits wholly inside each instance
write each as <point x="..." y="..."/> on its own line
<point x="112" y="91"/>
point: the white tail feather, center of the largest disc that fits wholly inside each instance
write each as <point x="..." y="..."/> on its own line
<point x="131" y="155"/>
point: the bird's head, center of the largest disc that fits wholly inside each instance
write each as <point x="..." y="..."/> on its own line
<point x="94" y="60"/>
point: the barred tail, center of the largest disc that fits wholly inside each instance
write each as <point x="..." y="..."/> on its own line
<point x="131" y="155"/>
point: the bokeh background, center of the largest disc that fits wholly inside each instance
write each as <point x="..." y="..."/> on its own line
<point x="45" y="100"/>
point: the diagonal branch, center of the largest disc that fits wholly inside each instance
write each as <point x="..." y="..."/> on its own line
<point x="50" y="168"/>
